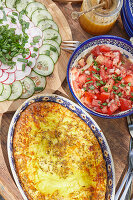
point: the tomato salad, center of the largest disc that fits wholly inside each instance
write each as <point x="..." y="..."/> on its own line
<point x="103" y="80"/>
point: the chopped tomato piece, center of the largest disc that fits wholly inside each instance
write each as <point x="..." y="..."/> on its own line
<point x="96" y="102"/>
<point x="104" y="48"/>
<point x="104" y="109"/>
<point x="125" y="104"/>
<point x="96" y="51"/>
<point x="104" y="96"/>
<point x="112" y="108"/>
<point x="81" y="62"/>
<point x="129" y="79"/>
<point x="102" y="73"/>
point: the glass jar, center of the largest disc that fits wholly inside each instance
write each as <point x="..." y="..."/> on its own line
<point x="99" y="21"/>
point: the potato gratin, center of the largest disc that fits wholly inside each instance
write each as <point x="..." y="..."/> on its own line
<point x="57" y="156"/>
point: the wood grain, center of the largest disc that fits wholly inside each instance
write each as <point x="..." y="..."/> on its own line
<point x="55" y="80"/>
<point x="115" y="130"/>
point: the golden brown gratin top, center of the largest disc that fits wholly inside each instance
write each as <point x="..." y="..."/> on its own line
<point x="57" y="156"/>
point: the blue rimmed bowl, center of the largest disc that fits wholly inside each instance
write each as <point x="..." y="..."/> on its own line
<point x="110" y="191"/>
<point x="125" y="21"/>
<point x="129" y="11"/>
<point x="114" y="42"/>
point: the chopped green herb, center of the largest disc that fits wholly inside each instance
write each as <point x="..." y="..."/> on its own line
<point x="122" y="85"/>
<point x="54" y="38"/>
<point x="96" y="76"/>
<point x="119" y="94"/>
<point x="52" y="48"/>
<point x="29" y="63"/>
<point x="115" y="87"/>
<point x="97" y="68"/>
<point x="33" y="55"/>
<point x="114" y="92"/>
<point x="105" y="68"/>
<point x="22" y="60"/>
<point x="89" y="78"/>
<point x="91" y="87"/>
<point x="132" y="93"/>
<point x="105" y="104"/>
<point x="39" y="88"/>
<point x="95" y="63"/>
<point x="93" y="72"/>
<point x="105" y="89"/>
<point x="102" y="83"/>
<point x="98" y="84"/>
<point x="35" y="49"/>
<point x="36" y="39"/>
<point x="47" y="52"/>
<point x="23" y="67"/>
<point x="84" y="88"/>
<point x="89" y="82"/>
<point x="131" y="99"/>
<point x="119" y="78"/>
<point x="129" y="84"/>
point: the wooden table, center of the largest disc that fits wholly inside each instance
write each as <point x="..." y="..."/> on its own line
<point x="115" y="130"/>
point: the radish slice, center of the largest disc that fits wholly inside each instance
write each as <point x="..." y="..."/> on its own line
<point x="22" y="74"/>
<point x="18" y="64"/>
<point x="11" y="70"/>
<point x="1" y="14"/>
<point x="10" y="79"/>
<point x="36" y="52"/>
<point x="1" y="72"/>
<point x="3" y="66"/>
<point x="33" y="60"/>
<point x="7" y="10"/>
<point x="4" y="77"/>
<point x="26" y="19"/>
<point x="33" y="32"/>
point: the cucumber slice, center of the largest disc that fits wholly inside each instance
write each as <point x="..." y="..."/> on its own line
<point x="47" y="23"/>
<point x="1" y="88"/>
<point x="40" y="81"/>
<point x="31" y="7"/>
<point x="16" y="91"/>
<point x="6" y="93"/>
<point x="51" y="34"/>
<point x="44" y="65"/>
<point x="49" y="50"/>
<point x="38" y="15"/>
<point x="10" y="3"/>
<point x="28" y="88"/>
<point x="21" y="4"/>
<point x="54" y="43"/>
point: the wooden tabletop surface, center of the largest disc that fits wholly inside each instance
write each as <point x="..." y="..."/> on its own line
<point x="115" y="130"/>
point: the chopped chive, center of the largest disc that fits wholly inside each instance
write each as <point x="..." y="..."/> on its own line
<point x="35" y="49"/>
<point x="89" y="78"/>
<point x="114" y="92"/>
<point x="96" y="76"/>
<point x="52" y="48"/>
<point x="132" y="93"/>
<point x="15" y="14"/>
<point x="39" y="88"/>
<point x="36" y="39"/>
<point x="47" y="52"/>
<point x="102" y="82"/>
<point x="89" y="82"/>
<point x="122" y="85"/>
<point x="119" y="94"/>
<point x="93" y="72"/>
<point x="105" y="89"/>
<point x="29" y="63"/>
<point x="95" y="63"/>
<point x="105" y="68"/>
<point x="97" y="68"/>
<point x="98" y="84"/>
<point x="115" y="87"/>
<point x="22" y="60"/>
<point x="105" y="104"/>
<point x="129" y="84"/>
<point x="131" y="99"/>
<point x="119" y="78"/>
<point x="91" y="87"/>
<point x="84" y="88"/>
<point x="54" y="38"/>
<point x="23" y="67"/>
<point x="33" y="55"/>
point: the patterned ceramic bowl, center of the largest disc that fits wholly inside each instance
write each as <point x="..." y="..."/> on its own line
<point x="84" y="116"/>
<point x="114" y="42"/>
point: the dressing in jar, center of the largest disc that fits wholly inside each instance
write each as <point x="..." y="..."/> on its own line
<point x="100" y="20"/>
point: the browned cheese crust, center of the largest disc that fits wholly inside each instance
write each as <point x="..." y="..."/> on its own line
<point x="57" y="156"/>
